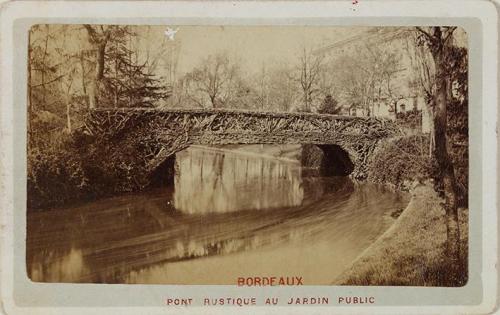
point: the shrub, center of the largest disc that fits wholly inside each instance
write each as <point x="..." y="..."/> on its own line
<point x="80" y="168"/>
<point x="54" y="177"/>
<point x="329" y="106"/>
<point x="401" y="161"/>
<point x="411" y="119"/>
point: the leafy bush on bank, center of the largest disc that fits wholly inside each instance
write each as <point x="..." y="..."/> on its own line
<point x="79" y="169"/>
<point x="400" y="162"/>
<point x="411" y="119"/>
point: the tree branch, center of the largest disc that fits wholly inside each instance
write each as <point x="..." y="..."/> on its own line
<point x="45" y="83"/>
<point x="92" y="33"/>
<point x="429" y="36"/>
<point x="450" y="31"/>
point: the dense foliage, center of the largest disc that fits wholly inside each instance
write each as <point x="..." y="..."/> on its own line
<point x="411" y="119"/>
<point x="329" y="106"/>
<point x="127" y="82"/>
<point x="84" y="168"/>
<point x="458" y="122"/>
<point x="77" y="170"/>
<point x="401" y="162"/>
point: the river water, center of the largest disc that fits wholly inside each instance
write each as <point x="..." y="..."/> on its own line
<point x="230" y="213"/>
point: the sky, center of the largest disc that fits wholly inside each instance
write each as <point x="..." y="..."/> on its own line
<point x="253" y="46"/>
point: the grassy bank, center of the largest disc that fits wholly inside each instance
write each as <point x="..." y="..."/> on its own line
<point x="412" y="251"/>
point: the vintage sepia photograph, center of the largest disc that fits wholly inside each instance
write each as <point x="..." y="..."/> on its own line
<point x="248" y="155"/>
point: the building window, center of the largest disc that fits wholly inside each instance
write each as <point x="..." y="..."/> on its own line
<point x="402" y="107"/>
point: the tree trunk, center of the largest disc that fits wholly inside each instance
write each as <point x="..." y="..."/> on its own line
<point x="432" y="133"/>
<point x="68" y="100"/>
<point x="101" y="48"/>
<point x="446" y="169"/>
<point x="92" y="95"/>
<point x="99" y="74"/>
<point x="30" y="93"/>
<point x="116" y="80"/>
<point x="212" y="100"/>
<point x="68" y="116"/>
<point x="306" y="100"/>
<point x="44" y="67"/>
<point x="84" y="85"/>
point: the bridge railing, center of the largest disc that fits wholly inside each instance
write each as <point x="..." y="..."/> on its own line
<point x="231" y="111"/>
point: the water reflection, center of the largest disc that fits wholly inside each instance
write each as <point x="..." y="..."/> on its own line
<point x="213" y="180"/>
<point x="53" y="267"/>
<point x="314" y="228"/>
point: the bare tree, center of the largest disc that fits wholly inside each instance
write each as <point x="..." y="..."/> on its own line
<point x="310" y="65"/>
<point x="262" y="88"/>
<point x="354" y="82"/>
<point x="84" y="72"/>
<point x="214" y="78"/>
<point x="387" y="66"/>
<point x="327" y="83"/>
<point x="98" y="37"/>
<point x="366" y="75"/>
<point x="438" y="41"/>
<point x="283" y="88"/>
<point x="423" y="79"/>
<point x="30" y="84"/>
<point x="66" y="86"/>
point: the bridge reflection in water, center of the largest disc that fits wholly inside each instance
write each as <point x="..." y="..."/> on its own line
<point x="262" y="219"/>
<point x="214" y="180"/>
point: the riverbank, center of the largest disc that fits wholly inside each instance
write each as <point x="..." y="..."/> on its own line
<point x="412" y="250"/>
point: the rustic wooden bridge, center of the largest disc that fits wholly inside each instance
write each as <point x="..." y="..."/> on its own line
<point x="158" y="134"/>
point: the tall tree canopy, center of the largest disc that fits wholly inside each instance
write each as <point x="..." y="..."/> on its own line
<point x="121" y="80"/>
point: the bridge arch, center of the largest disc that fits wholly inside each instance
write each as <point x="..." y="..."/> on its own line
<point x="328" y="160"/>
<point x="336" y="161"/>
